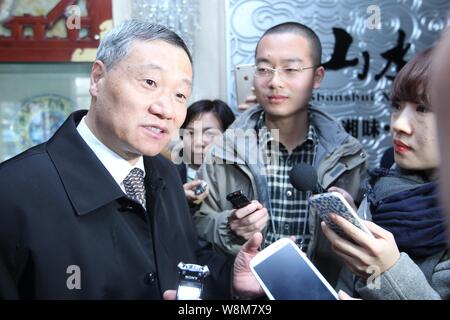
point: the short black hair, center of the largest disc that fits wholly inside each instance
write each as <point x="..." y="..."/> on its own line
<point x="217" y="107"/>
<point x="300" y="29"/>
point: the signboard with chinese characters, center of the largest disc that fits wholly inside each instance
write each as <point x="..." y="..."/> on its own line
<point x="365" y="44"/>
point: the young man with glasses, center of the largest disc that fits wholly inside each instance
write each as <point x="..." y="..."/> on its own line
<point x="258" y="151"/>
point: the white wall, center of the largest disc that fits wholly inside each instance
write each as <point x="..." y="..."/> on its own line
<point x="121" y="10"/>
<point x="210" y="52"/>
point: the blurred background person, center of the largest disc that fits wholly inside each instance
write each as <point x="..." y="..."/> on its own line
<point x="205" y="120"/>
<point x="440" y="96"/>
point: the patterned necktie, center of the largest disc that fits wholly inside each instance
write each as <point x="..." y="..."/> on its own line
<point x="134" y="186"/>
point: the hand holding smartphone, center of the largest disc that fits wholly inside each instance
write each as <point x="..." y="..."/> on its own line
<point x="285" y="273"/>
<point x="243" y="221"/>
<point x="325" y="203"/>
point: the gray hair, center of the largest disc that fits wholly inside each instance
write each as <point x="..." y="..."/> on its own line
<point x="117" y="43"/>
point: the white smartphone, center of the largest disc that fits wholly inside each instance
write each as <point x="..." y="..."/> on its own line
<point x="324" y="203"/>
<point x="243" y="74"/>
<point x="285" y="273"/>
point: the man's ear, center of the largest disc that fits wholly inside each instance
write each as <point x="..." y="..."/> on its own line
<point x="319" y="73"/>
<point x="98" y="72"/>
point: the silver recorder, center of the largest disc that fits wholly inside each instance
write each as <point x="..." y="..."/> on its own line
<point x="190" y="282"/>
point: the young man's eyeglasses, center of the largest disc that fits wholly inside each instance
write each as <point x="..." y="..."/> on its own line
<point x="267" y="72"/>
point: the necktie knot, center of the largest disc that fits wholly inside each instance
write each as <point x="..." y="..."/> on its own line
<point x="134" y="186"/>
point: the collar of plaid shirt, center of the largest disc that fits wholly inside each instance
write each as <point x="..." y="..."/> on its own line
<point x="266" y="137"/>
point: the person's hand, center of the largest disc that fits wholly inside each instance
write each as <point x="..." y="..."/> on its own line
<point x="344" y="296"/>
<point x="244" y="282"/>
<point x="249" y="101"/>
<point x="250" y="219"/>
<point x="170" y="295"/>
<point x="367" y="255"/>
<point x="346" y="196"/>
<point x="190" y="194"/>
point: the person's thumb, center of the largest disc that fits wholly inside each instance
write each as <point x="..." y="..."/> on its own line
<point x="253" y="244"/>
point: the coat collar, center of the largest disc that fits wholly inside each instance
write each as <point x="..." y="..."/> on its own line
<point x="87" y="183"/>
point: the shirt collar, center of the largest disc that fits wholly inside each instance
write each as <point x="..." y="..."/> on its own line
<point x="117" y="166"/>
<point x="267" y="137"/>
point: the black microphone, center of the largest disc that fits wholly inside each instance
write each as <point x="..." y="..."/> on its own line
<point x="303" y="177"/>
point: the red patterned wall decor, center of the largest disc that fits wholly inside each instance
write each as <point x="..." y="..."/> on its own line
<point x="40" y="48"/>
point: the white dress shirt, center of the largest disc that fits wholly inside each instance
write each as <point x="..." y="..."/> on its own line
<point x="117" y="166"/>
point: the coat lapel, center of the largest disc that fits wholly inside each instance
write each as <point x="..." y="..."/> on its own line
<point x="86" y="181"/>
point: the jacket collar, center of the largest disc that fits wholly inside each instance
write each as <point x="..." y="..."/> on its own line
<point x="330" y="133"/>
<point x="87" y="182"/>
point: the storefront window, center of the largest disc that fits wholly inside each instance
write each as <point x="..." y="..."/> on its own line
<point x="35" y="99"/>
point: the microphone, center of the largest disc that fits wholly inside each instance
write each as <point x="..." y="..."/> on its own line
<point x="304" y="178"/>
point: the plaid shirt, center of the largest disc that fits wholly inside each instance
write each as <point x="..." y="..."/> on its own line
<point x="289" y="207"/>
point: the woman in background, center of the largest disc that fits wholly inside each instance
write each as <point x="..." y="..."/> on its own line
<point x="408" y="257"/>
<point x="205" y="120"/>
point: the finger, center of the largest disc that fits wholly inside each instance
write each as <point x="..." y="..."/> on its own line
<point x="255" y="217"/>
<point x="347" y="196"/>
<point x="169" y="295"/>
<point x="258" y="204"/>
<point x="330" y="234"/>
<point x="202" y="196"/>
<point x="250" y="229"/>
<point x="262" y="223"/>
<point x="232" y="215"/>
<point x="242" y="230"/>
<point x="376" y="230"/>
<point x="191" y="184"/>
<point x="241" y="213"/>
<point x="339" y="190"/>
<point x="245" y="211"/>
<point x="343" y="247"/>
<point x="353" y="232"/>
<point x="190" y="194"/>
<point x="247" y="235"/>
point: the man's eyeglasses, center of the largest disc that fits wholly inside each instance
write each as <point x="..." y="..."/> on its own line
<point x="285" y="72"/>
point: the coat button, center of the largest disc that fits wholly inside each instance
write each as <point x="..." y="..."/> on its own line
<point x="150" y="278"/>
